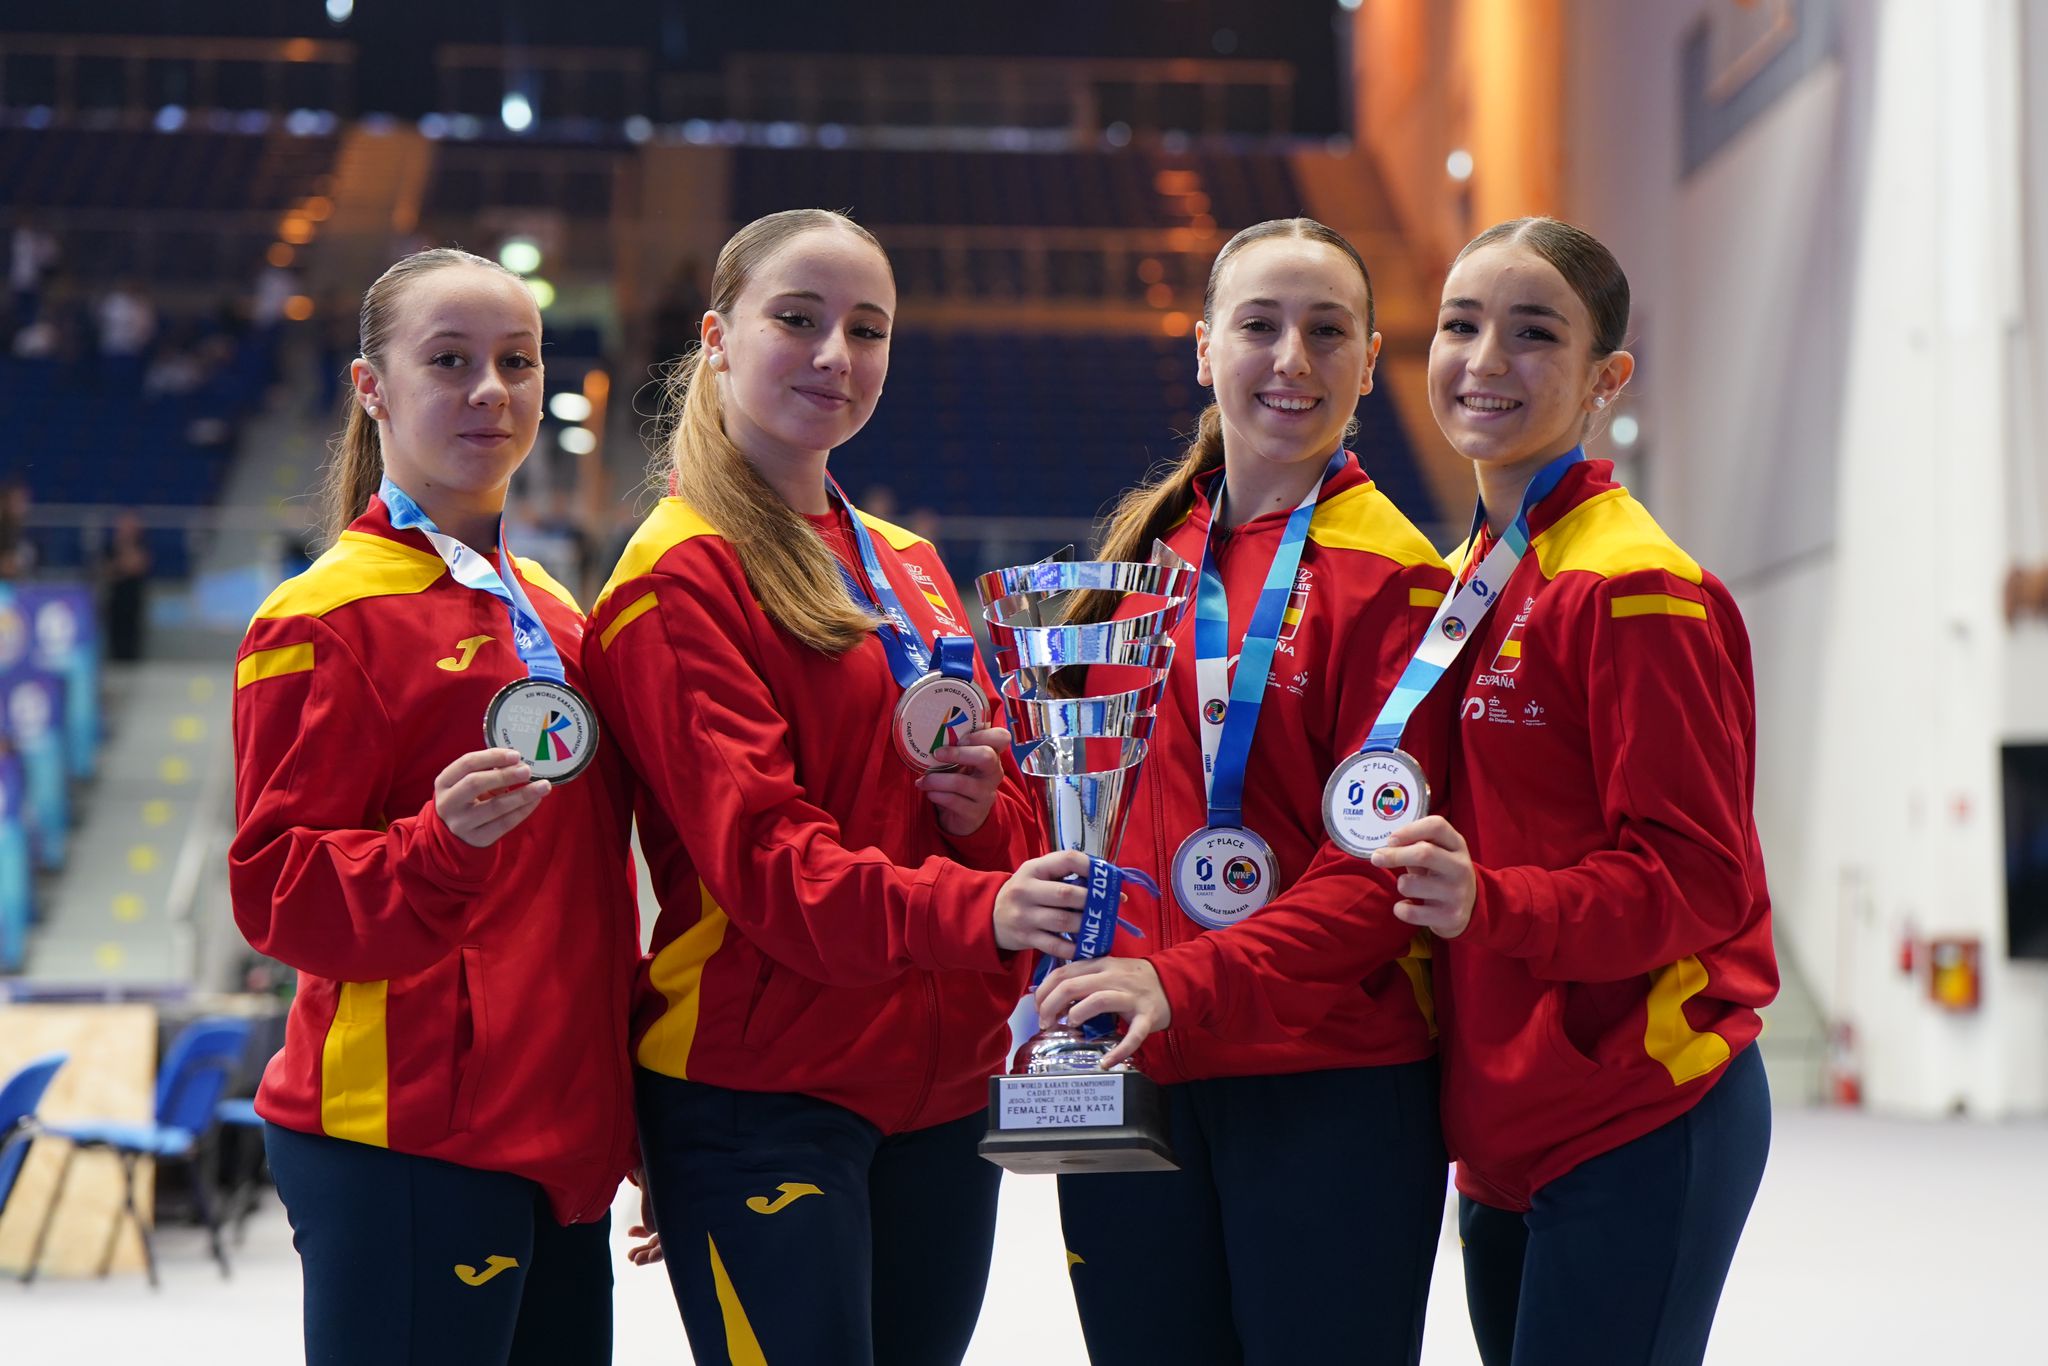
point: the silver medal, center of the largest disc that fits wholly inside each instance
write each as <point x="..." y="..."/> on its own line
<point x="548" y="723"/>
<point x="1369" y="796"/>
<point x="1222" y="874"/>
<point x="935" y="711"/>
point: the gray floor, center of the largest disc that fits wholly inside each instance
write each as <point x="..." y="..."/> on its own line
<point x="1874" y="1241"/>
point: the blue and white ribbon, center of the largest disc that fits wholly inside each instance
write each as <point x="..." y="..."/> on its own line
<point x="1227" y="739"/>
<point x="909" y="659"/>
<point x="1457" y="619"/>
<point x="530" y="638"/>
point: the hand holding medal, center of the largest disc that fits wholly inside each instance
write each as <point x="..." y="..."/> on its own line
<point x="484" y="794"/>
<point x="1438" y="887"/>
<point x="964" y="788"/>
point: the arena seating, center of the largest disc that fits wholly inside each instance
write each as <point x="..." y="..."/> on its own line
<point x="1055" y="426"/>
<point x="995" y="189"/>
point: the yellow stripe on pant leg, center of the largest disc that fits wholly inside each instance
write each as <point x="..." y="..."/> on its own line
<point x="740" y="1343"/>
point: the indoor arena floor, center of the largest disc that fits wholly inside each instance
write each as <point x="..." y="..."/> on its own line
<point x="1874" y="1241"/>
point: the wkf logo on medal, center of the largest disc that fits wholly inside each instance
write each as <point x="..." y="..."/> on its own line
<point x="1214" y="710"/>
<point x="1454" y="629"/>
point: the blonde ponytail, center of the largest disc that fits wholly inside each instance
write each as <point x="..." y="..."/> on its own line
<point x="354" y="470"/>
<point x="792" y="572"/>
<point x="1153" y="509"/>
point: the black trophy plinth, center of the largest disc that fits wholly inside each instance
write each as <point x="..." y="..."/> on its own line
<point x="1076" y="1123"/>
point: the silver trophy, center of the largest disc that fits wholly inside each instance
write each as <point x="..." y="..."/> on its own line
<point x="1058" y="1110"/>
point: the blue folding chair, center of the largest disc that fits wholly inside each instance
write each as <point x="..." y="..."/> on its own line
<point x="201" y="1062"/>
<point x="238" y="1116"/>
<point x="18" y="1101"/>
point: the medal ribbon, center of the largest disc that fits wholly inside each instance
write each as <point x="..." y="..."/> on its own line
<point x="1464" y="610"/>
<point x="530" y="636"/>
<point x="909" y="660"/>
<point x="1227" y="741"/>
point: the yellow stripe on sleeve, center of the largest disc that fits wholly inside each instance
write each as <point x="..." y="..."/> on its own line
<point x="1424" y="597"/>
<point x="1658" y="605"/>
<point x="641" y="606"/>
<point x="262" y="664"/>
<point x="355" y="1080"/>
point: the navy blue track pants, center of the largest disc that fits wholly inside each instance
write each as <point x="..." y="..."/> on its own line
<point x="1302" y="1225"/>
<point x="1620" y="1261"/>
<point x="409" y="1260"/>
<point x="796" y="1232"/>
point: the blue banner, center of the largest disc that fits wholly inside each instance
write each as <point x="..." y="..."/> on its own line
<point x="32" y="719"/>
<point x="17" y="887"/>
<point x="66" y="640"/>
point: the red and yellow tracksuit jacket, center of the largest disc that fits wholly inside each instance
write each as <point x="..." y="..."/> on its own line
<point x="1364" y="593"/>
<point x="1603" y="771"/>
<point x="819" y="932"/>
<point x="459" y="1003"/>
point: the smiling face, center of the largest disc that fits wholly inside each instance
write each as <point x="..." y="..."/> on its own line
<point x="1512" y="375"/>
<point x="1287" y="349"/>
<point x="803" y="351"/>
<point x="457" y="392"/>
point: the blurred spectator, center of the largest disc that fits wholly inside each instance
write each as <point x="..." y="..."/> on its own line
<point x="32" y="254"/>
<point x="275" y="286"/>
<point x="126" y="571"/>
<point x="17" y="547"/>
<point x="127" y="321"/>
<point x="180" y="366"/>
<point x="37" y="341"/>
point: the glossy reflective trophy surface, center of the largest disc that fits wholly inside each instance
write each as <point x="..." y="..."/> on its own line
<point x="1058" y="1110"/>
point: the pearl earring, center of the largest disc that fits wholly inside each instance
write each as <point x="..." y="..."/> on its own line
<point x="1600" y="402"/>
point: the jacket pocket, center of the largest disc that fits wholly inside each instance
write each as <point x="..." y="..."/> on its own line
<point x="780" y="995"/>
<point x="472" y="1034"/>
<point x="1562" y="1049"/>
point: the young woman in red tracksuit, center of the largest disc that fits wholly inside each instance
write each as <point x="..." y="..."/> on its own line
<point x="1303" y="1222"/>
<point x="452" y="1109"/>
<point x="832" y="826"/>
<point x="1596" y="878"/>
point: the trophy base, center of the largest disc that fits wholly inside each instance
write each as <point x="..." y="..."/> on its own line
<point x="1077" y="1123"/>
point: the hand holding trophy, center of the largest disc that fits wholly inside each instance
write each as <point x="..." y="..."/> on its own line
<point x="1058" y="1110"/>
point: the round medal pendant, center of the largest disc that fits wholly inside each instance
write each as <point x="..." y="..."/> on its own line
<point x="1369" y="796"/>
<point x="548" y="723"/>
<point x="1222" y="874"/>
<point x="935" y="711"/>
